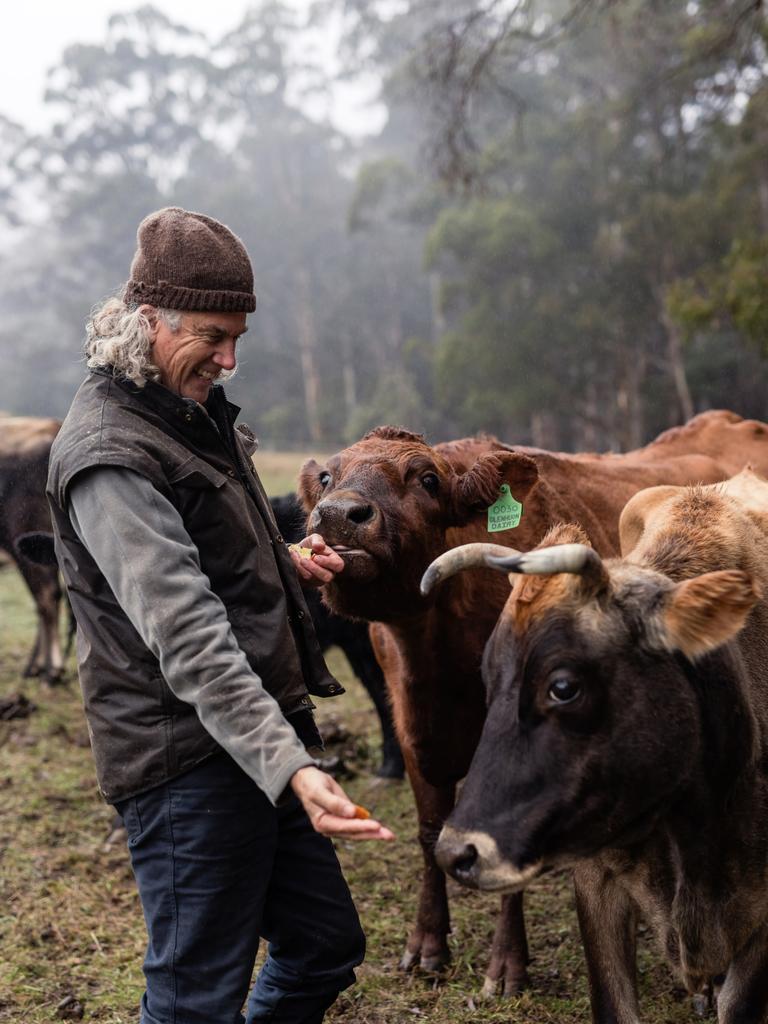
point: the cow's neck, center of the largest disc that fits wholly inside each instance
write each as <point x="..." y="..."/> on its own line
<point x="710" y="845"/>
<point x="438" y="688"/>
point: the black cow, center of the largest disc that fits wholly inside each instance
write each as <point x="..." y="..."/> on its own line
<point x="627" y="736"/>
<point x="25" y="444"/>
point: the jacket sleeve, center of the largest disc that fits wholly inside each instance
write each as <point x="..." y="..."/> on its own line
<point x="139" y="542"/>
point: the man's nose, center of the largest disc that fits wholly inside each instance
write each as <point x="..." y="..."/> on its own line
<point x="225" y="356"/>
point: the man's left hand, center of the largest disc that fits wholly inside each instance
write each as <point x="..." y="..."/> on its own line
<point x="318" y="568"/>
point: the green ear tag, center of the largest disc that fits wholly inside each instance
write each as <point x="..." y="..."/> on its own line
<point x="505" y="513"/>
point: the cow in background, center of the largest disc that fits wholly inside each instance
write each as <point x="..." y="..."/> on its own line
<point x="627" y="737"/>
<point x="390" y="504"/>
<point x="351" y="637"/>
<point x="25" y="444"/>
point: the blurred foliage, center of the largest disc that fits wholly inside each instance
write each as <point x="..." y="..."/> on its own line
<point x="559" y="234"/>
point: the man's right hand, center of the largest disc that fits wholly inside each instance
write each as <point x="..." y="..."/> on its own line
<point x="330" y="810"/>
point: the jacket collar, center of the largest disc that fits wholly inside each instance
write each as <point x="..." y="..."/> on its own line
<point x="172" y="407"/>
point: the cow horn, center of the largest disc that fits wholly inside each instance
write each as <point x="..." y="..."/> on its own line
<point x="576" y="558"/>
<point x="466" y="556"/>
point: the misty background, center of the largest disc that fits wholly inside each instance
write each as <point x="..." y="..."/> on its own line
<point x="552" y="225"/>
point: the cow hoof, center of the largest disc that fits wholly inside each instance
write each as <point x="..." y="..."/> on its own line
<point x="391" y="769"/>
<point x="493" y="988"/>
<point x="432" y="964"/>
<point x="409" y="961"/>
<point x="702" y="1004"/>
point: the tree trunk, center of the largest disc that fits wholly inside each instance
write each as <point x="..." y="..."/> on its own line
<point x="350" y="380"/>
<point x="439" y="325"/>
<point x="305" y="322"/>
<point x="589" y="440"/>
<point x="762" y="193"/>
<point x="629" y="406"/>
<point x="544" y="430"/>
<point x="676" y="364"/>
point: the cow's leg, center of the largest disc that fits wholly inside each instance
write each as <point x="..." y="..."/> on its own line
<point x="34" y="663"/>
<point x="507" y="973"/>
<point x="54" y="661"/>
<point x="46" y="659"/>
<point x="367" y="670"/>
<point x="743" y="999"/>
<point x="607" y="919"/>
<point x="427" y="945"/>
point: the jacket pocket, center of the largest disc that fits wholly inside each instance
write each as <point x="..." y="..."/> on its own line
<point x="197" y="475"/>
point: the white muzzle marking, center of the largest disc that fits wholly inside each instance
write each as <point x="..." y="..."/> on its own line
<point x="494" y="873"/>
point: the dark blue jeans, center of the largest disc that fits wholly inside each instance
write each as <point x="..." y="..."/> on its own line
<point x="217" y="867"/>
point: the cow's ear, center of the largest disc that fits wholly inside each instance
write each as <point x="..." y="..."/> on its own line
<point x="707" y="611"/>
<point x="638" y="515"/>
<point x="36" y="547"/>
<point x="310" y="488"/>
<point x="478" y="488"/>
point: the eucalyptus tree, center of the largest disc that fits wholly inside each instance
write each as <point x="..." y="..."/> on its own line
<point x="583" y="142"/>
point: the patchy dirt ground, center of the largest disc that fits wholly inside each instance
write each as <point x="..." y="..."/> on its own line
<point x="71" y="930"/>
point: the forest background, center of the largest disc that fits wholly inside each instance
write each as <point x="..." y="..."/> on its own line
<point x="559" y="235"/>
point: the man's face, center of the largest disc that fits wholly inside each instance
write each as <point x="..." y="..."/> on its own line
<point x="191" y="358"/>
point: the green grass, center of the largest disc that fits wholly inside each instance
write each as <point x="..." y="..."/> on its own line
<point x="71" y="924"/>
<point x="279" y="470"/>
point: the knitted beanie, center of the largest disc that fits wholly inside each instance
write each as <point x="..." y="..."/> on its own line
<point x="189" y="261"/>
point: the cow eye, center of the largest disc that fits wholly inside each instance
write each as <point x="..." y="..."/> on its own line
<point x="563" y="689"/>
<point x="430" y="483"/>
<point x="324" y="478"/>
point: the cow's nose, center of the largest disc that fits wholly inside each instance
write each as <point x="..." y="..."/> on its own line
<point x="458" y="859"/>
<point x="341" y="511"/>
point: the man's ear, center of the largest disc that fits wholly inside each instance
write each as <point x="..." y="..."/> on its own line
<point x="150" y="315"/>
<point x="707" y="611"/>
<point x="475" y="490"/>
<point x="309" y="487"/>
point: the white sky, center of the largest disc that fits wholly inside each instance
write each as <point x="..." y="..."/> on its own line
<point x="35" y="32"/>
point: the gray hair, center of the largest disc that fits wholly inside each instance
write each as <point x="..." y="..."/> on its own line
<point x="118" y="336"/>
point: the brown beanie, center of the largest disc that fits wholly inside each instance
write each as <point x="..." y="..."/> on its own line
<point x="189" y="261"/>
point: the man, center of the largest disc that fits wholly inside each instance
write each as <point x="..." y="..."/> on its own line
<point x="195" y="650"/>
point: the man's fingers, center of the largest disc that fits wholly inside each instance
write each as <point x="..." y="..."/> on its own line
<point x="314" y="571"/>
<point x="331" y="811"/>
<point x="322" y="553"/>
<point x="336" y="804"/>
<point x="350" y="828"/>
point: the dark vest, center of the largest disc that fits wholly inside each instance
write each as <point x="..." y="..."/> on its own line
<point x="141" y="733"/>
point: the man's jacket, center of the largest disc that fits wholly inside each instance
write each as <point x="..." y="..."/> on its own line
<point x="141" y="733"/>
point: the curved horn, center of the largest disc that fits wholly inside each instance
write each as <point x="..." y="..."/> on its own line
<point x="466" y="556"/>
<point x="576" y="558"/>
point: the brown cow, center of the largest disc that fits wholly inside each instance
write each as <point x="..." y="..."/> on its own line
<point x="627" y="737"/>
<point x="25" y="444"/>
<point x="391" y="504"/>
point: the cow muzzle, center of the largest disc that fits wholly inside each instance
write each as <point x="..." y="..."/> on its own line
<point x="342" y="517"/>
<point x="474" y="859"/>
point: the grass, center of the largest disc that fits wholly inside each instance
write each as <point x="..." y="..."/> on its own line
<point x="279" y="470"/>
<point x="71" y="930"/>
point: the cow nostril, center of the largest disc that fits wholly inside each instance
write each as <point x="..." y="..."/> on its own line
<point x="360" y="513"/>
<point x="464" y="862"/>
